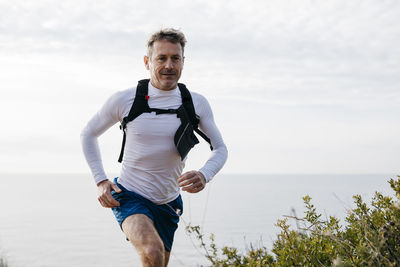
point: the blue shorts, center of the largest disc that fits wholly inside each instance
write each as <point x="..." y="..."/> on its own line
<point x="165" y="217"/>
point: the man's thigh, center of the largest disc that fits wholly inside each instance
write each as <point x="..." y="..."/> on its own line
<point x="140" y="231"/>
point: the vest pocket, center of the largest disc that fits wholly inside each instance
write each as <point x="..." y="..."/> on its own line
<point x="185" y="139"/>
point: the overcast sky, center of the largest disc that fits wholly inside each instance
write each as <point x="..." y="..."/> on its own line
<point x="295" y="86"/>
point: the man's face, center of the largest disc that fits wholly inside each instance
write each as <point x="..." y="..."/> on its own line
<point x="165" y="64"/>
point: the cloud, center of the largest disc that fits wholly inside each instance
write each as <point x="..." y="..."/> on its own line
<point x="289" y="59"/>
<point x="277" y="26"/>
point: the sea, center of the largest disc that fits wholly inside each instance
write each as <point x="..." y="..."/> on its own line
<point x="54" y="220"/>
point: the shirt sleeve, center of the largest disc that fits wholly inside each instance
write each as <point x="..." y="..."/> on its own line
<point x="207" y="124"/>
<point x="108" y="115"/>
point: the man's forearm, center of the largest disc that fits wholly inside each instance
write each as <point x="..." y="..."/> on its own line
<point x="92" y="154"/>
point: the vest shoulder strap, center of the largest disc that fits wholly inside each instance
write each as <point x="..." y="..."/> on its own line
<point x="139" y="106"/>
<point x="188" y="105"/>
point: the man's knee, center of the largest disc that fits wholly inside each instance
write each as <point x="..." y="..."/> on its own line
<point x="154" y="253"/>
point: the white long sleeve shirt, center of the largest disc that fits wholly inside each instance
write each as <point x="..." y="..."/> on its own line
<point x="151" y="164"/>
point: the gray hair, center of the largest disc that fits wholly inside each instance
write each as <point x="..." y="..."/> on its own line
<point x="171" y="35"/>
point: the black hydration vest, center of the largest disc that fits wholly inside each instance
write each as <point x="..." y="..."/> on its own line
<point x="184" y="138"/>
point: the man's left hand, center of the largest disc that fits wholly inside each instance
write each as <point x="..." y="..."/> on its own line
<point x="192" y="181"/>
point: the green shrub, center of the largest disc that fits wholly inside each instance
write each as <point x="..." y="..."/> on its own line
<point x="371" y="237"/>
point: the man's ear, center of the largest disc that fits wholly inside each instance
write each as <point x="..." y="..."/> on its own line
<point x="146" y="62"/>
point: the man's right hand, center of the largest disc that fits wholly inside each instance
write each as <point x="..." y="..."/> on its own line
<point x="105" y="198"/>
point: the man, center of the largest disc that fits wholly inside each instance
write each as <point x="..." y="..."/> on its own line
<point x="145" y="198"/>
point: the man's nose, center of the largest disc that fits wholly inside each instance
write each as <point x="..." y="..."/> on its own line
<point x="169" y="64"/>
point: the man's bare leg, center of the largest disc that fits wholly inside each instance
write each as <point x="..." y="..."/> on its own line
<point x="143" y="235"/>
<point x="166" y="257"/>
